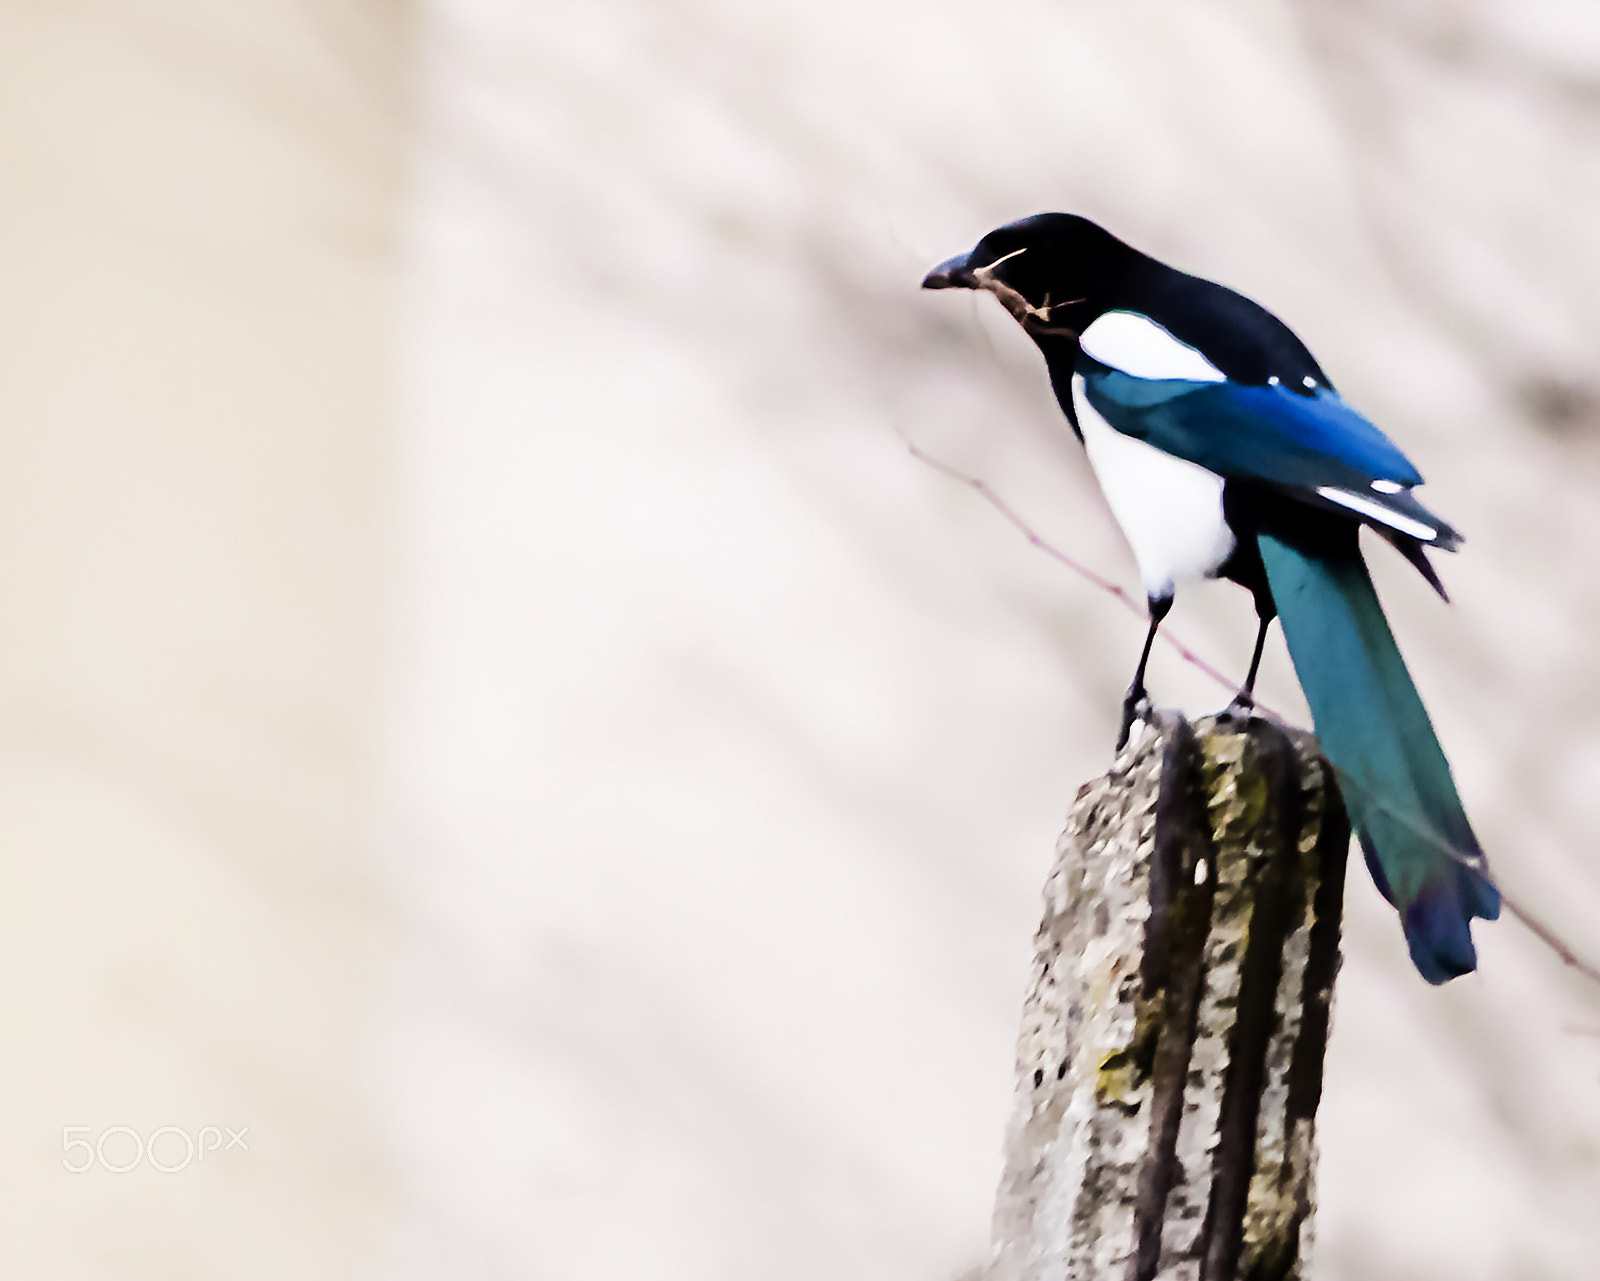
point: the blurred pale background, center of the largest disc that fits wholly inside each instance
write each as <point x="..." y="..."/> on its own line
<point x="488" y="702"/>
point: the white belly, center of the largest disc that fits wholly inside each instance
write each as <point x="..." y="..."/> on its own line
<point x="1170" y="510"/>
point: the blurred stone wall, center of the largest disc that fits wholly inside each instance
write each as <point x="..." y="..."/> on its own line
<point x="198" y="408"/>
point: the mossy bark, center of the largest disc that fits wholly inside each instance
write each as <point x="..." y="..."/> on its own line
<point x="1170" y="1061"/>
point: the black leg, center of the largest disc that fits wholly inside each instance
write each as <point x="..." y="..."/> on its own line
<point x="1244" y="700"/>
<point x="1137" y="697"/>
<point x="1255" y="659"/>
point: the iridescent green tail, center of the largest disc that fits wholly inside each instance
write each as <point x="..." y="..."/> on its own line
<point x="1396" y="782"/>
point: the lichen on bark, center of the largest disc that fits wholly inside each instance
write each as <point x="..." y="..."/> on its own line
<point x="1170" y="1058"/>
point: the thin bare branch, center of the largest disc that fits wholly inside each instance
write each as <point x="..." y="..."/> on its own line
<point x="983" y="488"/>
<point x="1477" y="863"/>
<point x="1549" y="938"/>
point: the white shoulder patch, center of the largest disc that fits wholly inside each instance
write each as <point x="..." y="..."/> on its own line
<point x="1136" y="345"/>
<point x="1170" y="510"/>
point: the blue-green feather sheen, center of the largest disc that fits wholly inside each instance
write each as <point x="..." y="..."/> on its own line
<point x="1265" y="433"/>
<point x="1373" y="727"/>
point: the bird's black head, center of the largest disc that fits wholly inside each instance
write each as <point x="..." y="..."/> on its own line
<point x="1054" y="272"/>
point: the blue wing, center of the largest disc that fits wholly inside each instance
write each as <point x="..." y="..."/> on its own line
<point x="1313" y="446"/>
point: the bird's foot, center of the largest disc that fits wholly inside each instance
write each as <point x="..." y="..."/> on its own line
<point x="1242" y="708"/>
<point x="1135" y="707"/>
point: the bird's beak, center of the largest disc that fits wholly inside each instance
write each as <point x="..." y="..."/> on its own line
<point x="952" y="273"/>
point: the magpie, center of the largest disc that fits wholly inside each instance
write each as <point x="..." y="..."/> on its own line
<point x="1224" y="450"/>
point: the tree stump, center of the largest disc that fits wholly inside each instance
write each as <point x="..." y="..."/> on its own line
<point x="1170" y="1061"/>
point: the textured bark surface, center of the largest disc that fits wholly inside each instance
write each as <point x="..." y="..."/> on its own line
<point x="1170" y="1062"/>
